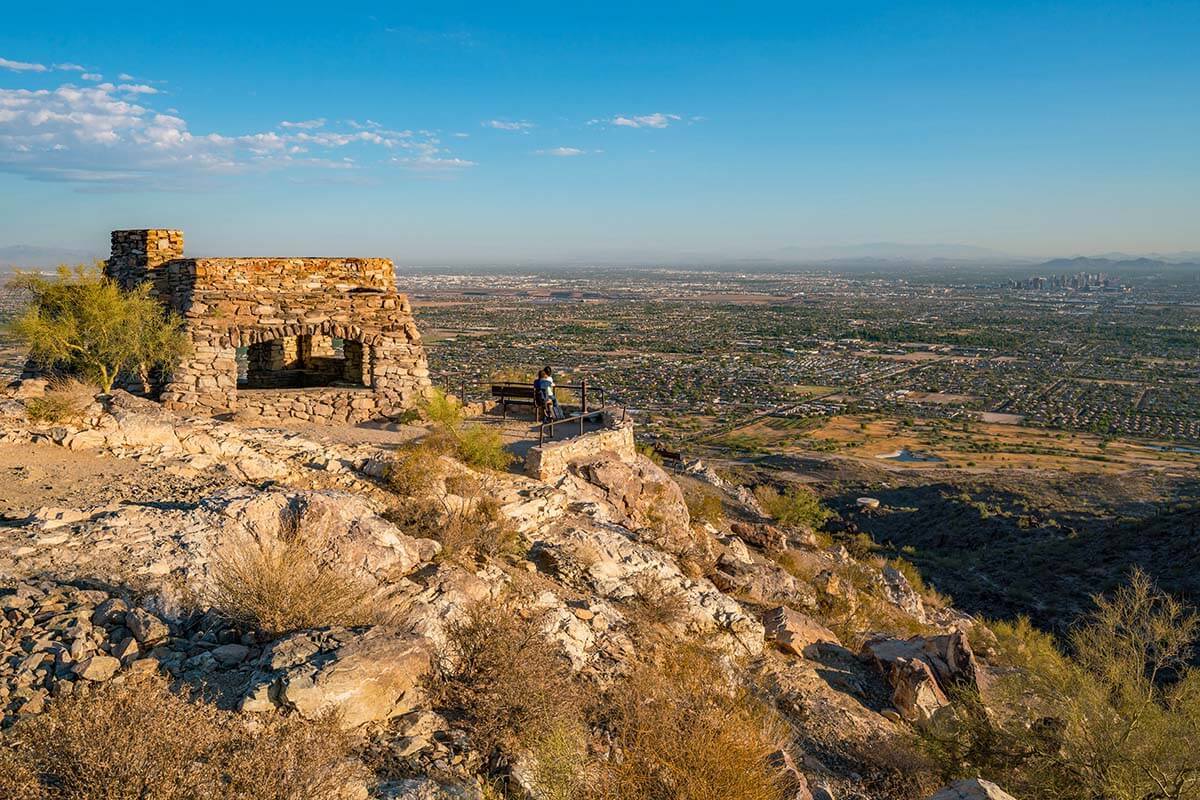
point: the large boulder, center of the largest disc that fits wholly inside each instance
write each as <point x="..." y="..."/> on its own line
<point x="644" y="497"/>
<point x="973" y="789"/>
<point x="795" y="633"/>
<point x="921" y="671"/>
<point x="361" y="677"/>
<point x="339" y="529"/>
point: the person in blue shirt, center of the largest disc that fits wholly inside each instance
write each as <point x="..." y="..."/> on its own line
<point x="543" y="394"/>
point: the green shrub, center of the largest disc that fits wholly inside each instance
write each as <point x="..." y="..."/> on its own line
<point x="476" y="445"/>
<point x="705" y="505"/>
<point x="797" y="506"/>
<point x="84" y="322"/>
<point x="414" y="469"/>
<point x="482" y="447"/>
<point x="1119" y="718"/>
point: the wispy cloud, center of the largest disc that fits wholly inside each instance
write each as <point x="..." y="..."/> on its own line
<point x="21" y="66"/>
<point x="307" y="125"/>
<point x="507" y="125"/>
<point x="655" y="120"/>
<point x="562" y="152"/>
<point x="136" y="88"/>
<point x="70" y="67"/>
<point x="92" y="76"/>
<point x="108" y="135"/>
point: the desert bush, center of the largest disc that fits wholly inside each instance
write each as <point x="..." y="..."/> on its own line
<point x="280" y="585"/>
<point x="650" y="453"/>
<point x="136" y="740"/>
<point x="65" y="399"/>
<point x="653" y="605"/>
<point x="681" y="731"/>
<point x="414" y="469"/>
<point x="704" y="505"/>
<point x="1118" y="718"/>
<point x="442" y="409"/>
<point x="84" y="322"/>
<point x="505" y="682"/>
<point x="477" y="527"/>
<point x="797" y="506"/>
<point x="482" y="447"/>
<point x="476" y="445"/>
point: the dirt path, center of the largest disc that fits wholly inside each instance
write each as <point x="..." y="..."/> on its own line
<point x="36" y="475"/>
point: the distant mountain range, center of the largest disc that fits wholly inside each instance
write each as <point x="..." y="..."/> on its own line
<point x="1127" y="265"/>
<point x="32" y="257"/>
<point x="870" y="256"/>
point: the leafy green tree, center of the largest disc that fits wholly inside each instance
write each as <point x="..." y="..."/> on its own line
<point x="85" y="323"/>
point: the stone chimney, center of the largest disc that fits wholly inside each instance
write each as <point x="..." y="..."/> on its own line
<point x="136" y="255"/>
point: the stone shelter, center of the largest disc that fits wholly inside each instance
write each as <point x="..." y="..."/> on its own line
<point x="323" y="339"/>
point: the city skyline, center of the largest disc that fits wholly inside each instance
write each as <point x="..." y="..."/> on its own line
<point x="669" y="133"/>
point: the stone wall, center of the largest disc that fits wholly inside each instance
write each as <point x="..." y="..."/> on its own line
<point x="550" y="461"/>
<point x="231" y="303"/>
<point x="320" y="405"/>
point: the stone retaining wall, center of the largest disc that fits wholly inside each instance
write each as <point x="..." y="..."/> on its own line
<point x="550" y="461"/>
<point x="323" y="405"/>
<point x="230" y="303"/>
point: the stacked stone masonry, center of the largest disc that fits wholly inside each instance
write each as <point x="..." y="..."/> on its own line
<point x="550" y="461"/>
<point x="283" y="315"/>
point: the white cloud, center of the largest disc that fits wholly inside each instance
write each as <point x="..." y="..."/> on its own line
<point x="92" y="76"/>
<point x="505" y="125"/>
<point x="307" y="125"/>
<point x="125" y="76"/>
<point x="461" y="135"/>
<point x="655" y="120"/>
<point x="137" y="88"/>
<point x="70" y="67"/>
<point x="106" y="135"/>
<point x="562" y="152"/>
<point x="21" y="66"/>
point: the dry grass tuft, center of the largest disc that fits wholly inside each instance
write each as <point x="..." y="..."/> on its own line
<point x="504" y="680"/>
<point x="136" y="740"/>
<point x="280" y="585"/>
<point x="681" y="730"/>
<point x="65" y="399"/>
<point x="705" y="506"/>
<point x="415" y="468"/>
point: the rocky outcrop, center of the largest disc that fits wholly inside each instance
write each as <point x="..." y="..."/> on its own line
<point x="359" y="676"/>
<point x="922" y="670"/>
<point x="605" y="560"/>
<point x="170" y="549"/>
<point x="973" y="789"/>
<point x="641" y="496"/>
<point x="795" y="633"/>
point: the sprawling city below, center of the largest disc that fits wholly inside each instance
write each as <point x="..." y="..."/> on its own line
<point x="746" y="359"/>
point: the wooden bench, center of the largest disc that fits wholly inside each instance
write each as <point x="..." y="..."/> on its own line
<point x="517" y="394"/>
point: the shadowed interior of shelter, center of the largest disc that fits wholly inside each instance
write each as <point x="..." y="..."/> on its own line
<point x="301" y="362"/>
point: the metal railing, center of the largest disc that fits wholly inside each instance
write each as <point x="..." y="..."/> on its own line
<point x="466" y="389"/>
<point x="580" y="418"/>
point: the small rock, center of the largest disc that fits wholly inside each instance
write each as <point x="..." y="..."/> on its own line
<point x="229" y="654"/>
<point x="97" y="668"/>
<point x="146" y="627"/>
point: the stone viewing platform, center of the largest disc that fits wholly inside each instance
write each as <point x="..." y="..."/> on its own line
<point x="327" y="340"/>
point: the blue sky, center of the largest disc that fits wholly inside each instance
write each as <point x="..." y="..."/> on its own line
<point x="448" y="133"/>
